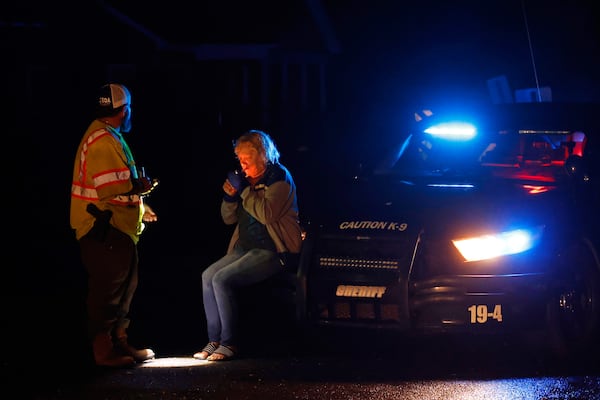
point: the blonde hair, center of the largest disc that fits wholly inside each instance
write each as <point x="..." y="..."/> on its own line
<point x="260" y="141"/>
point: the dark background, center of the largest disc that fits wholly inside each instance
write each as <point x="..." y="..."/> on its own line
<point x="332" y="81"/>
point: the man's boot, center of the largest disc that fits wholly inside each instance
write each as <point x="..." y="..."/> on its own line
<point x="123" y="347"/>
<point x="105" y="354"/>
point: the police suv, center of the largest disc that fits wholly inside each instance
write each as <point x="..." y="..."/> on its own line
<point x="485" y="225"/>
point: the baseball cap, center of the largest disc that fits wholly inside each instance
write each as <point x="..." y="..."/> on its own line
<point x="113" y="96"/>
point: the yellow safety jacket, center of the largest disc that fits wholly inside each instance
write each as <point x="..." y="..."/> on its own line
<point x="103" y="171"/>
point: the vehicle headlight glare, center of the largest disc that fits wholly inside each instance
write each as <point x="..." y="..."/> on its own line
<point x="495" y="245"/>
<point x="453" y="131"/>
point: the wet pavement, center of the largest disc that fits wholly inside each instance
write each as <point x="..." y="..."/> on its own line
<point x="339" y="367"/>
<point x="44" y="356"/>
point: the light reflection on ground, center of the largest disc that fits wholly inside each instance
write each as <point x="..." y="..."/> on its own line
<point x="173" y="362"/>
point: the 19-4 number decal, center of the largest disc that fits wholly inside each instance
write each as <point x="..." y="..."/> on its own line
<point x="480" y="313"/>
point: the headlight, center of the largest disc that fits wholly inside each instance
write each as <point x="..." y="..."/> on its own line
<point x="490" y="246"/>
<point x="453" y="131"/>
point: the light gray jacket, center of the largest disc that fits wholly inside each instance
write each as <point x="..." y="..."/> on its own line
<point x="273" y="202"/>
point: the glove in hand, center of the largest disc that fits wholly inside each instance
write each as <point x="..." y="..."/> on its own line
<point x="237" y="180"/>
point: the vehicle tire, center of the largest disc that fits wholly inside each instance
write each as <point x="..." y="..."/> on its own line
<point x="573" y="311"/>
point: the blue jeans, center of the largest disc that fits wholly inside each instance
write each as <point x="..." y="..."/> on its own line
<point x="219" y="282"/>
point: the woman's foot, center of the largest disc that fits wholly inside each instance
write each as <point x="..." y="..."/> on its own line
<point x="207" y="351"/>
<point x="223" y="353"/>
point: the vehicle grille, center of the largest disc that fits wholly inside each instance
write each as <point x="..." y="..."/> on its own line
<point x="368" y="266"/>
<point x="353" y="263"/>
<point x="360" y="312"/>
<point x="356" y="253"/>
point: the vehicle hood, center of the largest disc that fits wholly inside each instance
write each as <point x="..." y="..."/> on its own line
<point x="386" y="206"/>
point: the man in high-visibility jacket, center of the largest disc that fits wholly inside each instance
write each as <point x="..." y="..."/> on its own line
<point x="108" y="215"/>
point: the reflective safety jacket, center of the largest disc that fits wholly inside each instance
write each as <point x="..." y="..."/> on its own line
<point x="102" y="172"/>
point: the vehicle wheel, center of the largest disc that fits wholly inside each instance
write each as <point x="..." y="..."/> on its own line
<point x="574" y="308"/>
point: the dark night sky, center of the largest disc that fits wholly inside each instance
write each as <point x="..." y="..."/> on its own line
<point x="394" y="58"/>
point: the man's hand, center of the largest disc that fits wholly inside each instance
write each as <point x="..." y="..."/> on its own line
<point x="147" y="185"/>
<point x="149" y="214"/>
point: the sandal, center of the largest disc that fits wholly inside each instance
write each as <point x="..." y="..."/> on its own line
<point x="207" y="351"/>
<point x="222" y="353"/>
